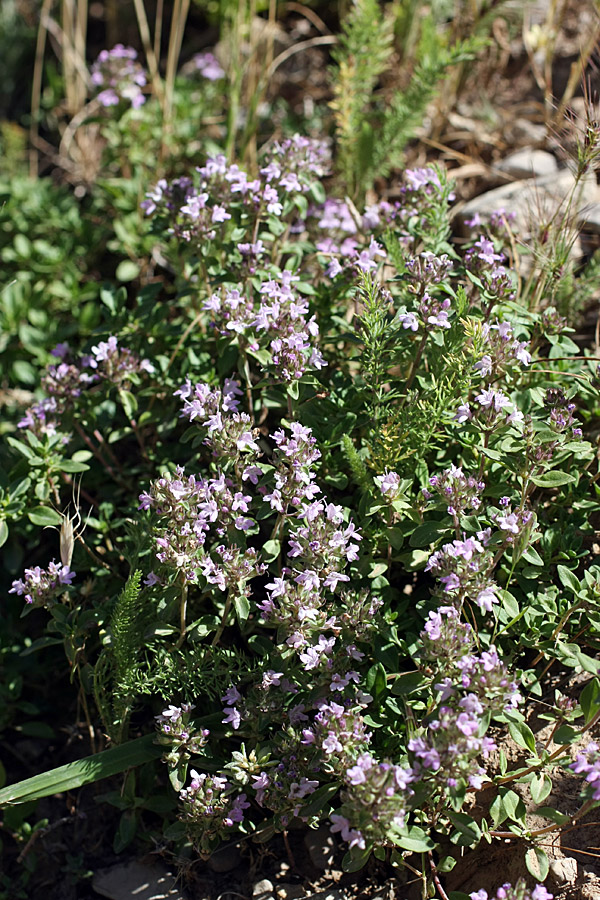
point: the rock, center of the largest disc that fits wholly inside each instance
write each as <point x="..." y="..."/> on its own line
<point x="225" y="859"/>
<point x="589" y="218"/>
<point x="528" y="163"/>
<point x="330" y="894"/>
<point x="263" y="890"/>
<point x="291" y="891"/>
<point x="563" y="870"/>
<point x="321" y="847"/>
<point x="526" y="132"/>
<point x="136" y="881"/>
<point x="532" y="201"/>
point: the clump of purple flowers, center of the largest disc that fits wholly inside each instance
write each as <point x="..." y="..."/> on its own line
<point x="114" y="363"/>
<point x="459" y="491"/>
<point x="210" y="810"/>
<point x="374" y="801"/>
<point x="117" y="76"/>
<point x="588" y="765"/>
<point x="519" y="892"/>
<point x="41" y="587"/>
<point x="464" y="569"/>
<point x="177" y="732"/>
<point x="208" y="66"/>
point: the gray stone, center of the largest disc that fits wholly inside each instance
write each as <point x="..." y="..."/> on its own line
<point x="225" y="859"/>
<point x="532" y="200"/>
<point x="263" y="890"/>
<point x="321" y="847"/>
<point x="526" y="132"/>
<point x="588" y="218"/>
<point x="291" y="891"/>
<point x="528" y="163"/>
<point x="330" y="894"/>
<point x="136" y="881"/>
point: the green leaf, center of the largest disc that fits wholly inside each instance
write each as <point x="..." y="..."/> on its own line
<point x="130" y="404"/>
<point x="127" y="270"/>
<point x="271" y="550"/>
<point x="44" y="516"/>
<point x="414" y="839"/>
<point x="83" y="771"/>
<point x="356" y="858"/>
<point x="3" y="532"/>
<point x="568" y="579"/>
<point x="590" y="700"/>
<point x="69" y="465"/>
<point x="548" y="812"/>
<point x="321" y="799"/>
<point x="467" y="831"/>
<point x="242" y="607"/>
<point x="540" y="786"/>
<point x="553" y="479"/>
<point x="536" y="861"/>
<point x="522" y="735"/>
<point x="427" y="534"/>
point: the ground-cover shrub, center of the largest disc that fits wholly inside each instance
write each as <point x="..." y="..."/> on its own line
<point x="341" y="505"/>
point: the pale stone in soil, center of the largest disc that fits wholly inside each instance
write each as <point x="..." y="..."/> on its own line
<point x="528" y="163"/>
<point x="136" y="881"/>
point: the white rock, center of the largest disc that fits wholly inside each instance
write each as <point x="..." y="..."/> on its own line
<point x="291" y="891"/>
<point x="589" y="218"/>
<point x="263" y="890"/>
<point x="136" y="881"/>
<point x="528" y="163"/>
<point x="532" y="200"/>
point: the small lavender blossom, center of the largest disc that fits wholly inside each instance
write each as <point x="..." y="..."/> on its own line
<point x="208" y="66"/>
<point x="116" y="76"/>
<point x="41" y="587"/>
<point x="519" y="892"/>
<point x="588" y="765"/>
<point x="458" y="491"/>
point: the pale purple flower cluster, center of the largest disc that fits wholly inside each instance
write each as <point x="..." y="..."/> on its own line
<point x="284" y="789"/>
<point x="493" y="409"/>
<point x="561" y="412"/>
<point x="197" y="210"/>
<point x="515" y="525"/>
<point x="588" y="765"/>
<point x="42" y="418"/>
<point x="483" y="261"/>
<point x="339" y="731"/>
<point x="458" y="491"/>
<point x="448" y="751"/>
<point x="279" y="320"/>
<point x="374" y="801"/>
<point x="41" y="587"/>
<point x="192" y="507"/>
<point x="389" y="485"/>
<point x="116" y="75"/>
<point x="296" y="162"/>
<point x="446" y="652"/>
<point x="295" y="479"/>
<point x="427" y="270"/>
<point x="209" y="808"/>
<point x="345" y="246"/>
<point x="114" y="363"/>
<point x="519" y="892"/>
<point x="177" y="731"/>
<point x="208" y="66"/>
<point x="502" y="350"/>
<point x="464" y="569"/>
<point x="230" y="433"/>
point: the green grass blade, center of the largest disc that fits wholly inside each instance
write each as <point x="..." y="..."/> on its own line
<point x="83" y="771"/>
